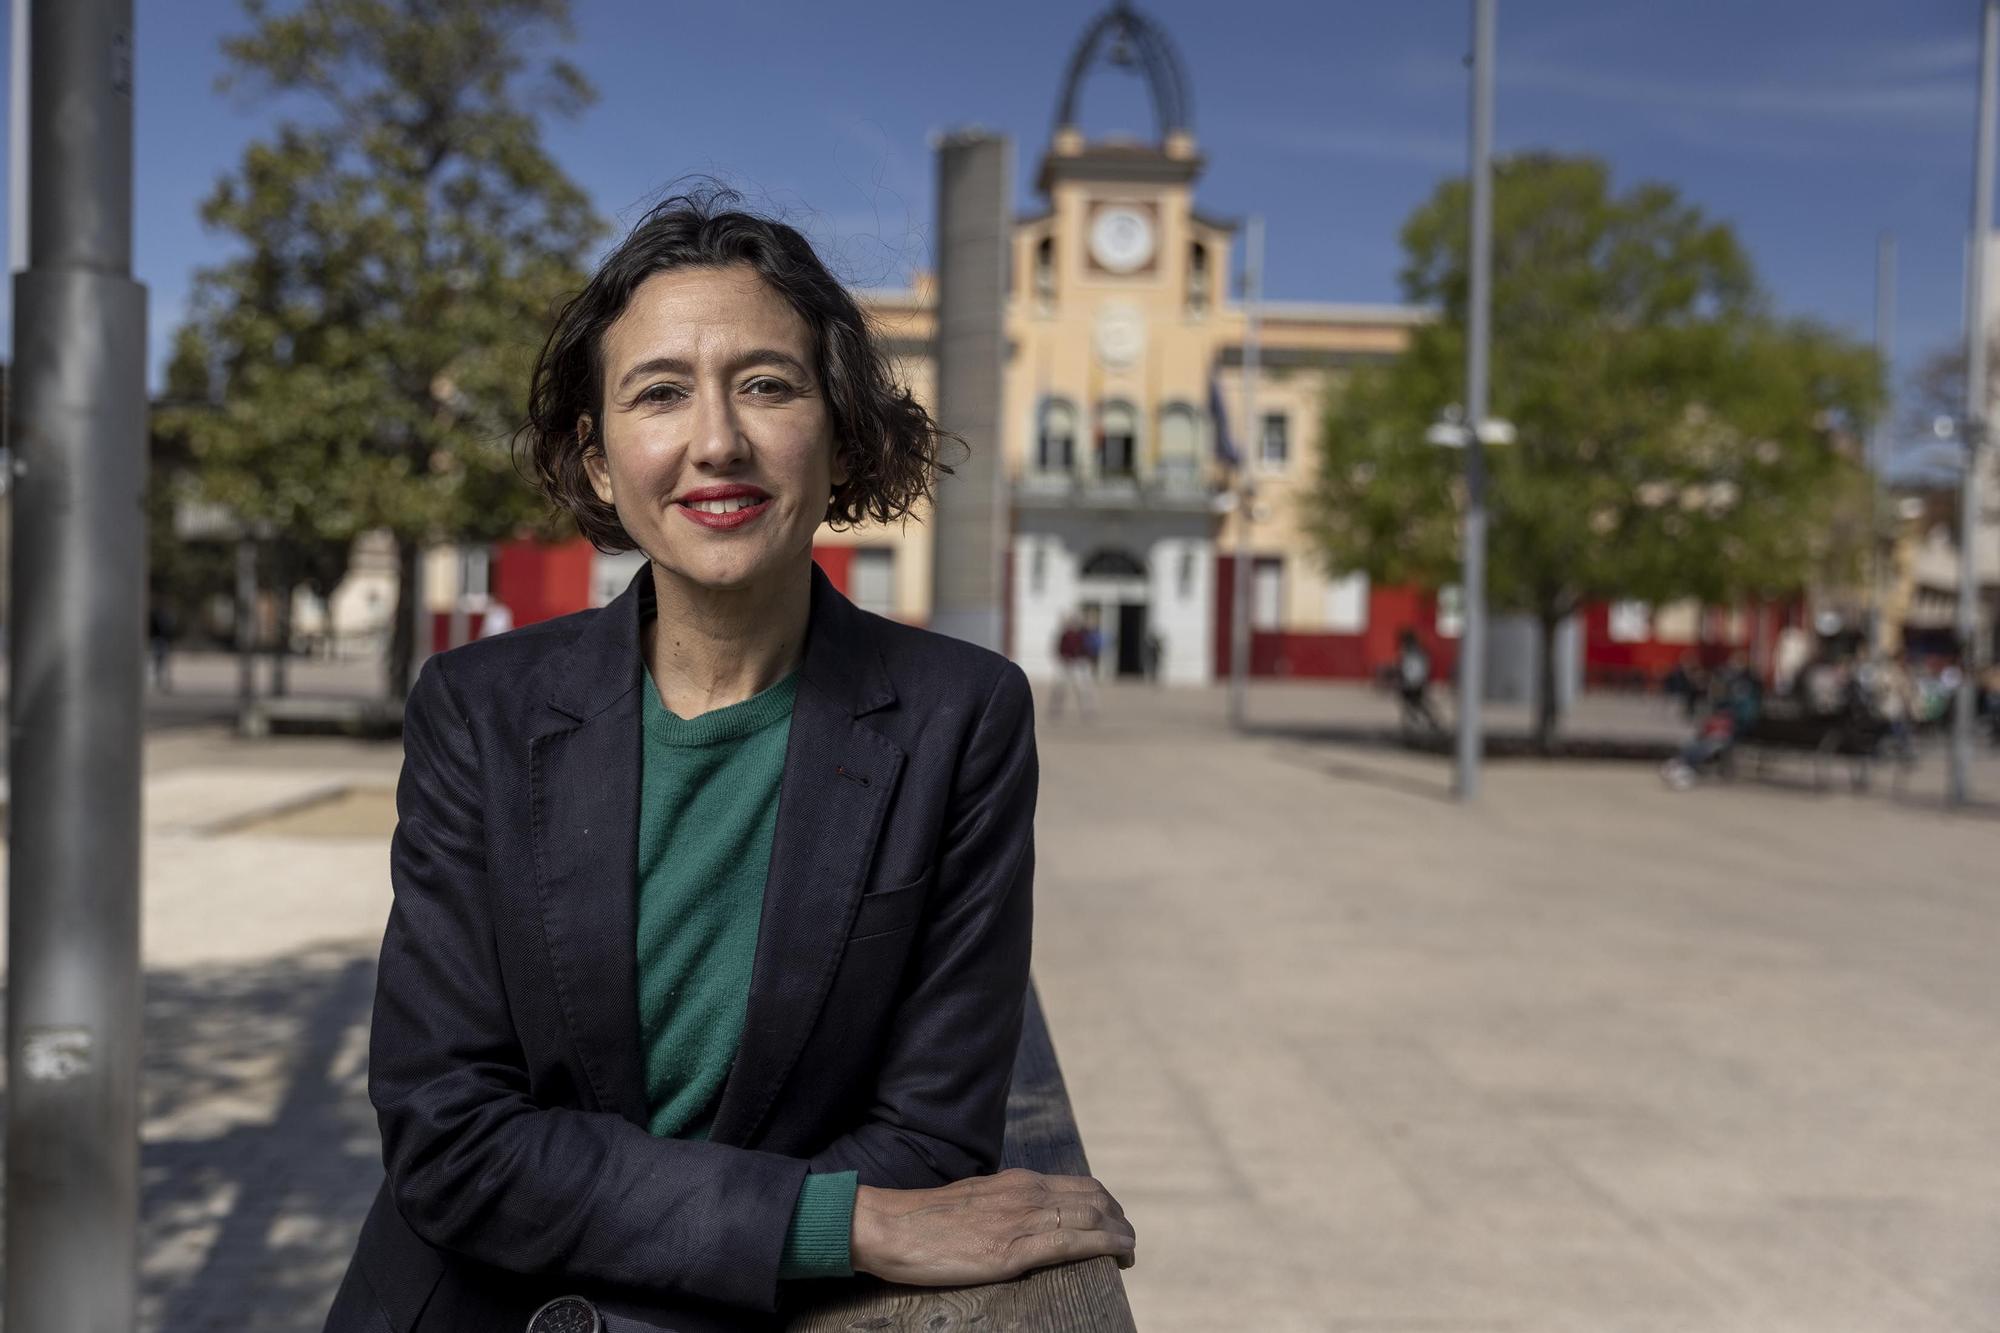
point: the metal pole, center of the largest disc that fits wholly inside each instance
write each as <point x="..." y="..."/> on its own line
<point x="459" y="625"/>
<point x="17" y="140"/>
<point x="77" y="650"/>
<point x="1246" y="486"/>
<point x="1878" y="441"/>
<point x="1885" y="337"/>
<point x="246" y="624"/>
<point x="1479" y="331"/>
<point x="1975" y="412"/>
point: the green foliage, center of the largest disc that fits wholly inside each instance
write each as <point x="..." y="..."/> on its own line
<point x="1673" y="438"/>
<point x="362" y="362"/>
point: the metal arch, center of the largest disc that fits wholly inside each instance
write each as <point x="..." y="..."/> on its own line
<point x="1166" y="78"/>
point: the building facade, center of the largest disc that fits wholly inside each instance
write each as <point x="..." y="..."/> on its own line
<point x="1123" y="375"/>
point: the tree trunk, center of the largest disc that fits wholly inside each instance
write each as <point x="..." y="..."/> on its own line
<point x="403" y="629"/>
<point x="1548" y="705"/>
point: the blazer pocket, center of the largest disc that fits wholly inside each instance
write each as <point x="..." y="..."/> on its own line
<point x="889" y="911"/>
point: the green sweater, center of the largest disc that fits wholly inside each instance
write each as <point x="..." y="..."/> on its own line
<point x="708" y="810"/>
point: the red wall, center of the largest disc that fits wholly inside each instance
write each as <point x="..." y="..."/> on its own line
<point x="1327" y="656"/>
<point x="542" y="580"/>
<point x="837" y="561"/>
<point x="1647" y="661"/>
<point x="441" y="628"/>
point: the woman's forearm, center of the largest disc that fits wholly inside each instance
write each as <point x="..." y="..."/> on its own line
<point x="987" y="1228"/>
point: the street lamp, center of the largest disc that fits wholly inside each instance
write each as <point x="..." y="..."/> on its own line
<point x="1479" y="333"/>
<point x="1452" y="431"/>
<point x="1449" y="431"/>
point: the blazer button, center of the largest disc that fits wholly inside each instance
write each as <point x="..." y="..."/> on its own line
<point x="566" y="1314"/>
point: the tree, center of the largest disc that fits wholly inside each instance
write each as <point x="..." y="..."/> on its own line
<point x="1673" y="440"/>
<point x="361" y="364"/>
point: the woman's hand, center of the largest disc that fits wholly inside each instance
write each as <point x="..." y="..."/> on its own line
<point x="986" y="1228"/>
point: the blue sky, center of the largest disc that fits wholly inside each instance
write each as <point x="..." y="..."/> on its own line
<point x="1811" y="125"/>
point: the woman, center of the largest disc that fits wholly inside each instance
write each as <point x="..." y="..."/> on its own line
<point x="710" y="939"/>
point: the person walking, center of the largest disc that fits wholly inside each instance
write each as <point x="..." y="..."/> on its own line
<point x="1093" y="645"/>
<point x="1074" y="670"/>
<point x="1413" y="682"/>
<point x="160" y="632"/>
<point x="709" y="950"/>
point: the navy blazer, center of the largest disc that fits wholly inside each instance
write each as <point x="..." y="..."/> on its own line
<point x="885" y="999"/>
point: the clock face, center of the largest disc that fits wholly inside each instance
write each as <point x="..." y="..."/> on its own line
<point x="1121" y="238"/>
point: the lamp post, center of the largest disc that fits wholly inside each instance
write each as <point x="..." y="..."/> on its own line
<point x="1479" y="332"/>
<point x="76" y="613"/>
<point x="1453" y="431"/>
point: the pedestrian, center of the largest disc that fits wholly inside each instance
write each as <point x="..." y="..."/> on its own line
<point x="1896" y="703"/>
<point x="1739" y="701"/>
<point x="1413" y="683"/>
<point x="709" y="950"/>
<point x="1156" y="649"/>
<point x="160" y="633"/>
<point x="1093" y="644"/>
<point x="1685" y="685"/>
<point x="1074" y="672"/>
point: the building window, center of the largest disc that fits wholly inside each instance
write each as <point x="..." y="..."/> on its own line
<point x="1117" y="440"/>
<point x="1630" y="622"/>
<point x="1267" y="592"/>
<point x="1274" y="441"/>
<point x="1450" y="622"/>
<point x="1180" y="446"/>
<point x="873" y="579"/>
<point x="1055" y="448"/>
<point x="1045" y="269"/>
<point x="1197" y="278"/>
<point x="1347" y="604"/>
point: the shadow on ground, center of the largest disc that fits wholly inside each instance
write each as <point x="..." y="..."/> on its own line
<point x="1499" y="745"/>
<point x="259" y="1154"/>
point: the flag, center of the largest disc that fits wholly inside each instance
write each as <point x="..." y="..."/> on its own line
<point x="1225" y="448"/>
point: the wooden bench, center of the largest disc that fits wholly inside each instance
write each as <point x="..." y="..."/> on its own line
<point x="1826" y="737"/>
<point x="1086" y="1297"/>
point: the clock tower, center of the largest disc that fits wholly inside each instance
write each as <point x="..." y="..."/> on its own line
<point x="1114" y="317"/>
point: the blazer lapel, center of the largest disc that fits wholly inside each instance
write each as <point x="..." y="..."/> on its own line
<point x="584" y="788"/>
<point x="839" y="776"/>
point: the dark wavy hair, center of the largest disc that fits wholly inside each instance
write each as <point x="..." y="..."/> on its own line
<point x="890" y="443"/>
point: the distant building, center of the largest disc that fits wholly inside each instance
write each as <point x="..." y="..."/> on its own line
<point x="1123" y="336"/>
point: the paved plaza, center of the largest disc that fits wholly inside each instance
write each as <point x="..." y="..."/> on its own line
<point x="1590" y="1057"/>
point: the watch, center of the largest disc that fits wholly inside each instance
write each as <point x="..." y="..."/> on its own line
<point x="566" y="1314"/>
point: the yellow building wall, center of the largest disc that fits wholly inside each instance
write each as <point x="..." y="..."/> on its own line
<point x="1053" y="352"/>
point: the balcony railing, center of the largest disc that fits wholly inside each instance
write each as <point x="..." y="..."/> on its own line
<point x="1179" y="489"/>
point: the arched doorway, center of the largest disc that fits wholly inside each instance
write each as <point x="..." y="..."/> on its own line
<point x="1112" y="592"/>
